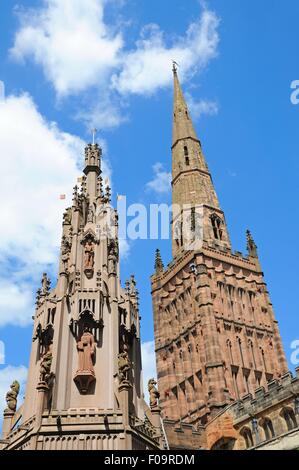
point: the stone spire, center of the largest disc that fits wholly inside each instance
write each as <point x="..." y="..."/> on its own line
<point x="251" y="246"/>
<point x="85" y="352"/>
<point x="192" y="184"/>
<point x="182" y="124"/>
<point x="92" y="169"/>
<point x="159" y="266"/>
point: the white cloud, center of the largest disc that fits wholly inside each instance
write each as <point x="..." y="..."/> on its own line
<point x="148" y="365"/>
<point x="201" y="107"/>
<point x="161" y="183"/>
<point x="71" y="41"/>
<point x="124" y="248"/>
<point x="7" y="376"/>
<point x="106" y="111"/>
<point x="39" y="163"/>
<point x="147" y="68"/>
<point x="16" y="301"/>
<point x="79" y="51"/>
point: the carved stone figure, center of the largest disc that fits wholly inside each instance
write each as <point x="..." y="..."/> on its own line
<point x="67" y="216"/>
<point x="153" y="393"/>
<point x="124" y="365"/>
<point x="46" y="284"/>
<point x="89" y="254"/>
<point x="65" y="250"/>
<point x="90" y="215"/>
<point x="113" y="256"/>
<point x="12" y="395"/>
<point x="45" y="367"/>
<point x="86" y="350"/>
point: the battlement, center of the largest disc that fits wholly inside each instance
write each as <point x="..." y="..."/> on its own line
<point x="277" y="391"/>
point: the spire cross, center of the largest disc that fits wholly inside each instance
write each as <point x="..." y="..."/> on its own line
<point x="94" y="132"/>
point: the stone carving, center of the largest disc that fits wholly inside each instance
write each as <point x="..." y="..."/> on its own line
<point x="113" y="256"/>
<point x="251" y="246"/>
<point x="38" y="297"/>
<point x="86" y="351"/>
<point x="12" y="395"/>
<point x="67" y="216"/>
<point x="89" y="254"/>
<point x="159" y="266"/>
<point x="90" y="215"/>
<point x="153" y="393"/>
<point x="46" y="284"/>
<point x="45" y="367"/>
<point x="124" y="365"/>
<point x="65" y="250"/>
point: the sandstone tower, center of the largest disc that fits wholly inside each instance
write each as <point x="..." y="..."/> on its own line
<point x="216" y="336"/>
<point x="84" y="388"/>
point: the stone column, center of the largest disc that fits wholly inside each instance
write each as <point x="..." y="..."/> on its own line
<point x="42" y="389"/>
<point x="124" y="390"/>
<point x="7" y="423"/>
<point x="156" y="421"/>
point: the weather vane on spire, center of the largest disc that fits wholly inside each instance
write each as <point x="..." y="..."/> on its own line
<point x="94" y="132"/>
<point x="175" y="65"/>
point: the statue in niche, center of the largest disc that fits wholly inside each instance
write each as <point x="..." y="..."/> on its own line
<point x="89" y="254"/>
<point x="90" y="214"/>
<point x="65" y="250"/>
<point x="12" y="395"/>
<point x="86" y="351"/>
<point x="153" y="393"/>
<point x="113" y="256"/>
<point x="45" y="367"/>
<point x="124" y="365"/>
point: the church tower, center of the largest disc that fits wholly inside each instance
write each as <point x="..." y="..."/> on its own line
<point x="84" y="388"/>
<point x="216" y="336"/>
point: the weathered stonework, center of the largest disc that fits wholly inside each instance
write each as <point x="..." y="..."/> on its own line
<point x="216" y="335"/>
<point x="76" y="397"/>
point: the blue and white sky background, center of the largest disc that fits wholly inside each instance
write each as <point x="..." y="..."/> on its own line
<point x="69" y="65"/>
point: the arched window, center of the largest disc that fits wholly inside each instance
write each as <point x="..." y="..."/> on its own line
<point x="247" y="436"/>
<point x="268" y="429"/>
<point x="289" y="417"/>
<point x="186" y="154"/>
<point x="217" y="226"/>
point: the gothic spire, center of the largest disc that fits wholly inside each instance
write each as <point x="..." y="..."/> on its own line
<point x="182" y="123"/>
<point x="92" y="170"/>
<point x="192" y="184"/>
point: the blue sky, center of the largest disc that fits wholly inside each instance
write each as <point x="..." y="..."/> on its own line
<point x="109" y="66"/>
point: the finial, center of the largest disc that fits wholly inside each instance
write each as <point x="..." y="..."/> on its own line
<point x="132" y="284"/>
<point x="46" y="284"/>
<point x="251" y="246"/>
<point x="159" y="266"/>
<point x="108" y="193"/>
